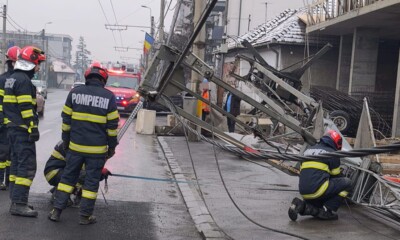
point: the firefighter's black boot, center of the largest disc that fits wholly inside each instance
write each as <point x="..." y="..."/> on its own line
<point x="86" y="220"/>
<point x="55" y="214"/>
<point x="23" y="210"/>
<point x="3" y="187"/>
<point x="310" y="210"/>
<point x="326" y="214"/>
<point x="296" y="208"/>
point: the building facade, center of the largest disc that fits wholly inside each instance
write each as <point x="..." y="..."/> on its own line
<point x="368" y="62"/>
<point x="56" y="46"/>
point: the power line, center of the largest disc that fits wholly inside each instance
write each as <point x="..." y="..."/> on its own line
<point x="102" y="9"/>
<point x="116" y="21"/>
<point x="12" y="25"/>
<point x="137" y="9"/>
<point x="9" y="17"/>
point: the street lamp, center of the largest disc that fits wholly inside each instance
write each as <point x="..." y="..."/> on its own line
<point x="144" y="6"/>
<point x="151" y="20"/>
<point x="46" y="24"/>
<point x="45" y="71"/>
<point x="44" y="35"/>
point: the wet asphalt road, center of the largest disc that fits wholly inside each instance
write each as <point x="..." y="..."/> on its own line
<point x="136" y="209"/>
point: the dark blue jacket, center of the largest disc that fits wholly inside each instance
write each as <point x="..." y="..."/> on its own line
<point x="90" y="119"/>
<point x="19" y="103"/>
<point x="55" y="162"/>
<point x="315" y="174"/>
<point x="3" y="78"/>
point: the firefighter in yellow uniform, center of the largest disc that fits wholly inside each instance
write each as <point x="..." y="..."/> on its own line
<point x="89" y="133"/>
<point x="5" y="162"/>
<point x="19" y="106"/>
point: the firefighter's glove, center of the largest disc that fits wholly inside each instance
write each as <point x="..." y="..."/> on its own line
<point x="65" y="145"/>
<point x="33" y="134"/>
<point x="104" y="174"/>
<point x="110" y="153"/>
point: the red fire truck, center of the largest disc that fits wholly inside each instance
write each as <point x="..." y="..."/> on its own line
<point x="124" y="85"/>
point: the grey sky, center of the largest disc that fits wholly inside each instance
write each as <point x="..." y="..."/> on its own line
<point x="85" y="18"/>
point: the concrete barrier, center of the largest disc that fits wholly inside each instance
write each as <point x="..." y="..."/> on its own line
<point x="145" y="122"/>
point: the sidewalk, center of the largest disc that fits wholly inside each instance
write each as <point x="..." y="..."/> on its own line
<point x="264" y="194"/>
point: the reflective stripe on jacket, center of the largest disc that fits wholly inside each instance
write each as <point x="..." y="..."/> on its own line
<point x="90" y="119"/>
<point x="19" y="102"/>
<point x="56" y="160"/>
<point x="3" y="78"/>
<point x="315" y="174"/>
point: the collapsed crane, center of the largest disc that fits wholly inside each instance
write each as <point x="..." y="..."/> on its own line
<point x="164" y="78"/>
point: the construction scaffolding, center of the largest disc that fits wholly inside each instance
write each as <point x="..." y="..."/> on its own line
<point x="286" y="105"/>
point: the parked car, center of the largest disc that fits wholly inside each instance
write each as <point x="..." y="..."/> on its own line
<point x="40" y="104"/>
<point x="41" y="87"/>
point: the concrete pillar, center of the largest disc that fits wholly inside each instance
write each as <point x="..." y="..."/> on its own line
<point x="364" y="60"/>
<point x="343" y="74"/>
<point x="396" y="112"/>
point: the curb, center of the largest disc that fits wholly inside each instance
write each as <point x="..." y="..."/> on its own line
<point x="195" y="205"/>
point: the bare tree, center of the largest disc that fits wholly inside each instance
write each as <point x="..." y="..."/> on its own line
<point x="82" y="59"/>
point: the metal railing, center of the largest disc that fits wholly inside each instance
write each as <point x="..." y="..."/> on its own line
<point x="323" y="10"/>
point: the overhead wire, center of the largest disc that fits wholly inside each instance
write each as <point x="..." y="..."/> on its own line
<point x="108" y="22"/>
<point x="173" y="109"/>
<point x="136" y="10"/>
<point x="13" y="25"/>
<point x="230" y="195"/>
<point x="295" y="157"/>
<point x="11" y="19"/>
<point x="116" y="22"/>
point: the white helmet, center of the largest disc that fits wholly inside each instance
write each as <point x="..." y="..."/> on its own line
<point x="24" y="65"/>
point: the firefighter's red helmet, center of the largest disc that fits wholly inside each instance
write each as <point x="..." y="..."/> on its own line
<point x="98" y="70"/>
<point x="12" y="53"/>
<point x="32" y="54"/>
<point x="29" y="57"/>
<point x="336" y="138"/>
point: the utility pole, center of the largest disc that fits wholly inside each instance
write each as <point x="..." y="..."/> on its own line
<point x="266" y="12"/>
<point x="240" y="17"/>
<point x="47" y="62"/>
<point x="43" y="77"/>
<point x="199" y="42"/>
<point x="198" y="50"/>
<point x="152" y="26"/>
<point x="4" y="47"/>
<point x="161" y="26"/>
<point x="220" y="93"/>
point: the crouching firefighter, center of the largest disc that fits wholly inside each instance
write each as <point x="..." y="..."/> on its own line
<point x="54" y="169"/>
<point x="321" y="183"/>
<point x="89" y="133"/>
